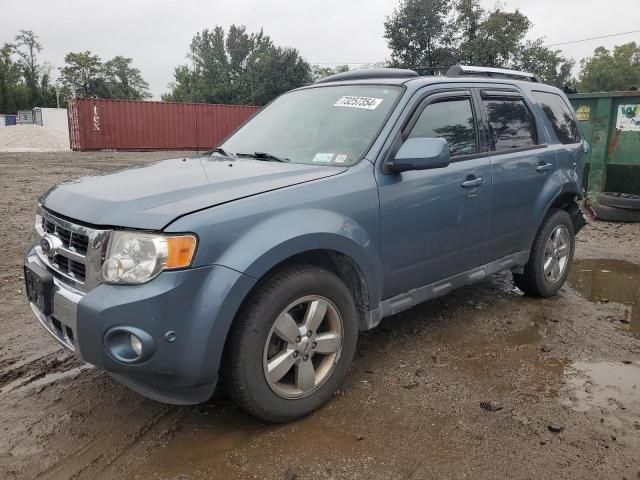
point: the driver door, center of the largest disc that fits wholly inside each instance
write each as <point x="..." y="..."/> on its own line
<point x="435" y="222"/>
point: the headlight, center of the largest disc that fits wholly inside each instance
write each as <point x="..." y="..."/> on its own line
<point x="135" y="257"/>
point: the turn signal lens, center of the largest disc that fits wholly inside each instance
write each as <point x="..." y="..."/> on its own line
<point x="180" y="251"/>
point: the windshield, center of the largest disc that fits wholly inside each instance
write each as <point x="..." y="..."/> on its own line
<point x="320" y="126"/>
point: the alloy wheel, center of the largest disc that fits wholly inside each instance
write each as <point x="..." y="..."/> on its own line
<point x="303" y="347"/>
<point x="556" y="254"/>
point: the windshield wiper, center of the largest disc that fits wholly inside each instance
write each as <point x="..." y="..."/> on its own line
<point x="264" y="156"/>
<point x="221" y="151"/>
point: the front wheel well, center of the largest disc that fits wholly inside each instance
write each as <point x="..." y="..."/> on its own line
<point x="339" y="264"/>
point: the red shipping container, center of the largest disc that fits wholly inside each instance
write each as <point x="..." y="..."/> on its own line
<point x="99" y="124"/>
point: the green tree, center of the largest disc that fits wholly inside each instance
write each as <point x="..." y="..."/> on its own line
<point x="13" y="94"/>
<point x="419" y="32"/>
<point x="468" y="21"/>
<point x="438" y="33"/>
<point x="611" y="70"/>
<point x="500" y="37"/>
<point x="24" y="82"/>
<point x="278" y="71"/>
<point x="548" y="64"/>
<point x="82" y="75"/>
<point x="237" y="67"/>
<point x="318" y="72"/>
<point x="48" y="88"/>
<point x="124" y="80"/>
<point x="183" y="88"/>
<point x="27" y="48"/>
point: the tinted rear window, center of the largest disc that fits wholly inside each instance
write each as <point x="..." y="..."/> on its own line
<point x="511" y="124"/>
<point x="560" y="116"/>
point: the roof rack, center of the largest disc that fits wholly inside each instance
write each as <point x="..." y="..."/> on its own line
<point x="462" y="70"/>
<point x="369" y="73"/>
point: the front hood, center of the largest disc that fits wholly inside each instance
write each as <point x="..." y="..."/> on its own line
<point x="153" y="195"/>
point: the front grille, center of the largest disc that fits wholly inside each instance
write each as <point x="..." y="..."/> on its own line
<point x="70" y="240"/>
<point x="77" y="257"/>
<point x="62" y="331"/>
<point x="70" y="267"/>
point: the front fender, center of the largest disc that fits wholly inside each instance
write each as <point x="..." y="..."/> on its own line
<point x="253" y="234"/>
<point x="290" y="233"/>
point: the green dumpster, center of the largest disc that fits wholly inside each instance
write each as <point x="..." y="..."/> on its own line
<point x="610" y="122"/>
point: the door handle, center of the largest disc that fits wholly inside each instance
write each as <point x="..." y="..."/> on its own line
<point x="544" y="167"/>
<point x="472" y="183"/>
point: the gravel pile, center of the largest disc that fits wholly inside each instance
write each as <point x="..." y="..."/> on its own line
<point x="33" y="138"/>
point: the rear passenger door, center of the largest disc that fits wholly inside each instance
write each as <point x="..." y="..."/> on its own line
<point x="571" y="151"/>
<point x="521" y="164"/>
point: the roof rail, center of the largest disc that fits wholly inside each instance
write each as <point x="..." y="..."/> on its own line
<point x="369" y="73"/>
<point x="462" y="70"/>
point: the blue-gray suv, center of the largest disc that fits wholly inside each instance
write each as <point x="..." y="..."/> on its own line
<point x="337" y="205"/>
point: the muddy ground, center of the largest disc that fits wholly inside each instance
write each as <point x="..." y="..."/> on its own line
<point x="564" y="373"/>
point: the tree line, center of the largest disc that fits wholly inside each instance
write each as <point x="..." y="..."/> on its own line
<point x="430" y="35"/>
<point x="240" y="67"/>
<point x="25" y="82"/>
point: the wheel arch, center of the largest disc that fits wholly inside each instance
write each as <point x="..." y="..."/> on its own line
<point x="565" y="198"/>
<point x="338" y="262"/>
<point x="568" y="201"/>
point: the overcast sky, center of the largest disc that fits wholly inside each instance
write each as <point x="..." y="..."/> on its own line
<point x="156" y="33"/>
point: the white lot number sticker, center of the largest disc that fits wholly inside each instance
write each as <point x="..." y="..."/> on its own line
<point x="366" y="103"/>
<point x="323" y="157"/>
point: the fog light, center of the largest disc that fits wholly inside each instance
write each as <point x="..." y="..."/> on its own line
<point x="136" y="344"/>
<point x="129" y="344"/>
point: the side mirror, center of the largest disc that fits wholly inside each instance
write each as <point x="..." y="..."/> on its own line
<point x="420" y="154"/>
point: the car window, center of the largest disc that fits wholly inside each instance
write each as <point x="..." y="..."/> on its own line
<point x="451" y="120"/>
<point x="560" y="116"/>
<point x="511" y="124"/>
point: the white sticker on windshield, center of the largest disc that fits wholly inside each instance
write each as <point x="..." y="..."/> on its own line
<point x="366" y="103"/>
<point x="323" y="157"/>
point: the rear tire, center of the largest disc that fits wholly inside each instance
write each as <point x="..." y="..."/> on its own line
<point x="292" y="344"/>
<point x="551" y="257"/>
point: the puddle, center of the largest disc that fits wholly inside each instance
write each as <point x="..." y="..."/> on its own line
<point x="220" y="441"/>
<point x="607" y="385"/>
<point x="610" y="281"/>
<point x="199" y="444"/>
<point x="531" y="334"/>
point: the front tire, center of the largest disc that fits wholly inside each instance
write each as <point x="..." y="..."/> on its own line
<point x="292" y="344"/>
<point x="551" y="257"/>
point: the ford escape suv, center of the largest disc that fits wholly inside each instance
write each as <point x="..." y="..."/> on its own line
<point x="339" y="204"/>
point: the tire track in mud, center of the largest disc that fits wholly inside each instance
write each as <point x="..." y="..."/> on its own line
<point x="55" y="410"/>
<point x="34" y="367"/>
<point x="101" y="452"/>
